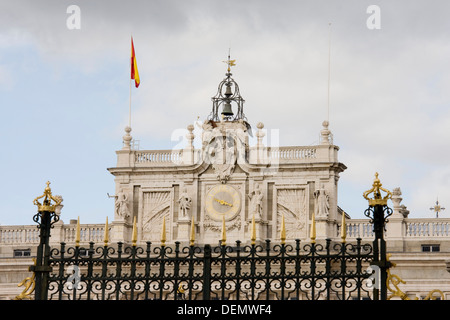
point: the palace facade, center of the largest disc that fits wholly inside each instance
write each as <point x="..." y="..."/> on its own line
<point x="219" y="189"/>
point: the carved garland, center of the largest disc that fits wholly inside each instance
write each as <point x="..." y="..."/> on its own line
<point x="208" y="223"/>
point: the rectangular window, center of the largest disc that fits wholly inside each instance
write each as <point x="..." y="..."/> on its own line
<point x="19" y="253"/>
<point x="431" y="248"/>
<point x="84" y="252"/>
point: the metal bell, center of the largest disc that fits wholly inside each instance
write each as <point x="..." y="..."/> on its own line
<point x="226" y="111"/>
<point x="228" y="92"/>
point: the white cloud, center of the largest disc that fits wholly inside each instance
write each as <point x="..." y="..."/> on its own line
<point x="389" y="87"/>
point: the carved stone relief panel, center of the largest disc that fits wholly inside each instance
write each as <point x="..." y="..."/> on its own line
<point x="292" y="202"/>
<point x="156" y="206"/>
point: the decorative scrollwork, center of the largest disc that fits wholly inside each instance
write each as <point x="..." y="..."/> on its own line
<point x="53" y="217"/>
<point x="393" y="281"/>
<point x="29" y="286"/>
<point x="265" y="271"/>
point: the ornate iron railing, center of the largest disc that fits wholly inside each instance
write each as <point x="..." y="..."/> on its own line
<point x="312" y="271"/>
<point x="327" y="270"/>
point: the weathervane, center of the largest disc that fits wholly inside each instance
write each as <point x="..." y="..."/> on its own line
<point x="230" y="63"/>
<point x="437" y="208"/>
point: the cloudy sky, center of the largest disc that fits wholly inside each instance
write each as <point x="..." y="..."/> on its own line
<point x="64" y="93"/>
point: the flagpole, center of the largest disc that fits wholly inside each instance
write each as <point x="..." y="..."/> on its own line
<point x="129" y="111"/>
<point x="329" y="67"/>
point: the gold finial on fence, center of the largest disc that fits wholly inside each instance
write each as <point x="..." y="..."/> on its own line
<point x="224" y="233"/>
<point x="313" y="228"/>
<point x="46" y="205"/>
<point x="192" y="236"/>
<point x="343" y="228"/>
<point x="253" y="232"/>
<point x="106" y="233"/>
<point x="376" y="190"/>
<point x="163" y="232"/>
<point x="77" y="233"/>
<point x="283" y="230"/>
<point x="134" y="233"/>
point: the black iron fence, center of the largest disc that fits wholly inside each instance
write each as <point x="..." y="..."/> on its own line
<point x="328" y="270"/>
<point x="266" y="271"/>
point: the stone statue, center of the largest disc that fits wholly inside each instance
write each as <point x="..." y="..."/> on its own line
<point x="184" y="204"/>
<point x="256" y="203"/>
<point x="322" y="203"/>
<point x="207" y="133"/>
<point x="121" y="206"/>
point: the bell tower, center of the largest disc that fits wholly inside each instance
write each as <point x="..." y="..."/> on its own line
<point x="227" y="95"/>
<point x="227" y="188"/>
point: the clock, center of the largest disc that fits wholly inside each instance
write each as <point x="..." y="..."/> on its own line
<point x="222" y="201"/>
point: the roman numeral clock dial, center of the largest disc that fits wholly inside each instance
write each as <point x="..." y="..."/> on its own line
<point x="222" y="200"/>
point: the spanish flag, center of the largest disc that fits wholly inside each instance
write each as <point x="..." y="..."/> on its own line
<point x="134" y="69"/>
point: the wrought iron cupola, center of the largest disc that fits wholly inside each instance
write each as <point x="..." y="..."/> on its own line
<point x="227" y="98"/>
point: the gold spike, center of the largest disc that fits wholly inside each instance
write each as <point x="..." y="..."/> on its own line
<point x="163" y="232"/>
<point x="313" y="228"/>
<point x="106" y="234"/>
<point x="253" y="236"/>
<point x="134" y="234"/>
<point x="78" y="233"/>
<point x="343" y="228"/>
<point x="283" y="231"/>
<point x="224" y="235"/>
<point x="192" y="236"/>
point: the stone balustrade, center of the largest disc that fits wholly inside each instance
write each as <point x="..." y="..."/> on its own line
<point x="356" y="228"/>
<point x="88" y="233"/>
<point x="26" y="234"/>
<point x="292" y="153"/>
<point x="158" y="156"/>
<point x="280" y="155"/>
<point x="434" y="227"/>
<point x="29" y="234"/>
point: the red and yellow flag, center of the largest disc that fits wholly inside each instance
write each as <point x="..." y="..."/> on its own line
<point x="134" y="69"/>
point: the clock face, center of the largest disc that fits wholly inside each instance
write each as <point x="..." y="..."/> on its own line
<point x="222" y="200"/>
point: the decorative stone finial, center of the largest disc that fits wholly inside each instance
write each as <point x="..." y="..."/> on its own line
<point x="127" y="139"/>
<point x="60" y="205"/>
<point x="260" y="134"/>
<point x="325" y="133"/>
<point x="190" y="136"/>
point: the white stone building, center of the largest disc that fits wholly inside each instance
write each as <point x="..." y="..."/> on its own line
<point x="227" y="181"/>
